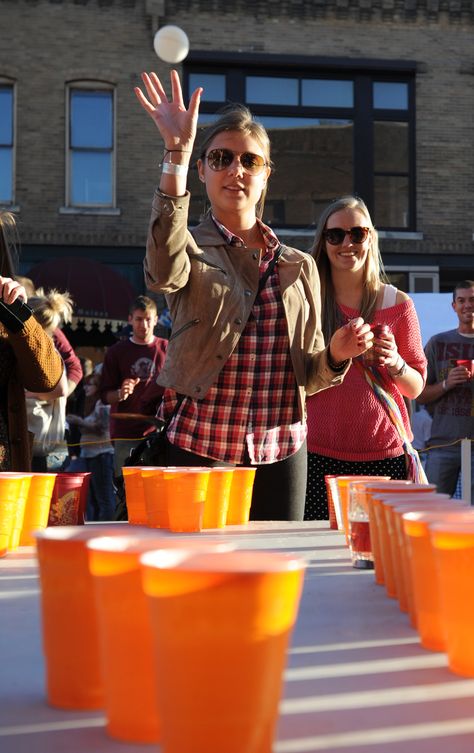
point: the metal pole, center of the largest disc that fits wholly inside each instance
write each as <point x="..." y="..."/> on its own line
<point x="466" y="470"/>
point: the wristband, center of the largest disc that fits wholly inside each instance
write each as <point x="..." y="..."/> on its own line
<point x="171" y="169"/>
<point x="444" y="385"/>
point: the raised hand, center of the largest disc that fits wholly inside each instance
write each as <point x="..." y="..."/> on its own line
<point x="176" y="124"/>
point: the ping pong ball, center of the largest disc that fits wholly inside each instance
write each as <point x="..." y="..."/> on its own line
<point x="171" y="44"/>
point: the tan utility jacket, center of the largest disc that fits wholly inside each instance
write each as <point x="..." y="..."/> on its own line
<point x="210" y="289"/>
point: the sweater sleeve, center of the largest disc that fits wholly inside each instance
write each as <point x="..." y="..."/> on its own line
<point x="71" y="362"/>
<point x="406" y="329"/>
<point x="39" y="365"/>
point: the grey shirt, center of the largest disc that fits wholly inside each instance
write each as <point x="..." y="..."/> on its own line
<point x="453" y="413"/>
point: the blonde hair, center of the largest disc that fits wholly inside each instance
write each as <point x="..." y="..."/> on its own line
<point x="374" y="273"/>
<point x="51" y="309"/>
<point x="9" y="243"/>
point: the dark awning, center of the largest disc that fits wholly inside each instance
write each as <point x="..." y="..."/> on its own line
<point x="101" y="295"/>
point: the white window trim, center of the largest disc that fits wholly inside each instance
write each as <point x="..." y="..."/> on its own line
<point x="413" y="273"/>
<point x="89" y="85"/>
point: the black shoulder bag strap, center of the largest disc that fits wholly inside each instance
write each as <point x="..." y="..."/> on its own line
<point x="269" y="270"/>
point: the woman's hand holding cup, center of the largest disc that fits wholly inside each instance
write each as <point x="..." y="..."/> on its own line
<point x="351" y="340"/>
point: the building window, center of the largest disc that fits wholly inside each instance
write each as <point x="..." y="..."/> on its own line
<point x="91" y="163"/>
<point x="6" y="144"/>
<point x="333" y="131"/>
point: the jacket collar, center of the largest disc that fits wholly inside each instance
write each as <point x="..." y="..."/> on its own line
<point x="207" y="234"/>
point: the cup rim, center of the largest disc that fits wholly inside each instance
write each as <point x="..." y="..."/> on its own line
<point x="234" y="561"/>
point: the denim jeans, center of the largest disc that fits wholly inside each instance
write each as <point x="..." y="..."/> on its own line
<point x="101" y="498"/>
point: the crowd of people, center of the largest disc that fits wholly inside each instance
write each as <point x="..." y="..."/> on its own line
<point x="302" y="364"/>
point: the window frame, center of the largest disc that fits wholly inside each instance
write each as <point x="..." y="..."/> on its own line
<point x="363" y="72"/>
<point x="91" y="86"/>
<point x="8" y="83"/>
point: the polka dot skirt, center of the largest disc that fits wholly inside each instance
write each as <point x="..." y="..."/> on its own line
<point x="316" y="507"/>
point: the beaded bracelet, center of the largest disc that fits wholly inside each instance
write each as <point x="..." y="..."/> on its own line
<point x="337" y="368"/>
<point x="401" y="371"/>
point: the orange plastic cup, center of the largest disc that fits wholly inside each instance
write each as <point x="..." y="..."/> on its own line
<point x="135" y="495"/>
<point x="154" y="489"/>
<point x="19" y="511"/>
<point x="10" y="491"/>
<point x="125" y="635"/>
<point x="453" y="546"/>
<point x="334" y="502"/>
<point x="4" y="538"/>
<point x="240" y="499"/>
<point x="371" y="488"/>
<point x="424" y="572"/>
<point x="70" y="638"/>
<point x="216" y="505"/>
<point x="387" y="503"/>
<point x="186" y="490"/>
<point x="390" y="506"/>
<point x="37" y="506"/>
<point x="380" y="528"/>
<point x="330" y="492"/>
<point x="395" y="507"/>
<point x="220" y="667"/>
<point x="343" y="483"/>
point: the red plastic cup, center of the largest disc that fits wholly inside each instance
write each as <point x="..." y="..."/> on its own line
<point x="66" y="499"/>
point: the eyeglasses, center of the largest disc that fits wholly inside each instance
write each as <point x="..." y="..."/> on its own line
<point x="335" y="235"/>
<point x="220" y="159"/>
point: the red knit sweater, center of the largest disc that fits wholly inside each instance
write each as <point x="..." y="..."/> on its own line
<point x="349" y="422"/>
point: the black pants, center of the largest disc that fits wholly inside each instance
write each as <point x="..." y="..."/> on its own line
<point x="279" y="488"/>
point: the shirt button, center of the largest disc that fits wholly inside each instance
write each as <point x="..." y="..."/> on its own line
<point x="252" y="356"/>
<point x="255" y="256"/>
<point x="247" y="292"/>
<point x="219" y="356"/>
<point x="238" y="320"/>
<point x="197" y="389"/>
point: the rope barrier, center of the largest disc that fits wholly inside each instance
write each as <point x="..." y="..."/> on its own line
<point x="447" y="444"/>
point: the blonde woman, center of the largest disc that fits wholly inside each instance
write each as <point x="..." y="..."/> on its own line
<point x="47" y="411"/>
<point x="349" y="429"/>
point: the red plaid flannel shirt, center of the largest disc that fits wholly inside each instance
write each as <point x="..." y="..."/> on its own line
<point x="253" y="405"/>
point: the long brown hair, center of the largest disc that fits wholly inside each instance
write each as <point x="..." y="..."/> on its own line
<point x="237" y="117"/>
<point x="8" y="244"/>
<point x="374" y="273"/>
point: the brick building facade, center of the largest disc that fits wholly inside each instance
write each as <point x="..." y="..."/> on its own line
<point x="372" y="96"/>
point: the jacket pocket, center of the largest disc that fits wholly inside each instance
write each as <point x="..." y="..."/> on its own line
<point x="211" y="264"/>
<point x="182" y="329"/>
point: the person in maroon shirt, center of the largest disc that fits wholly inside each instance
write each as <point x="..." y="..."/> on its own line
<point x="128" y="379"/>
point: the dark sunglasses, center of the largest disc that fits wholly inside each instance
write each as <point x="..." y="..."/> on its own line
<point x="335" y="235"/>
<point x="220" y="159"/>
